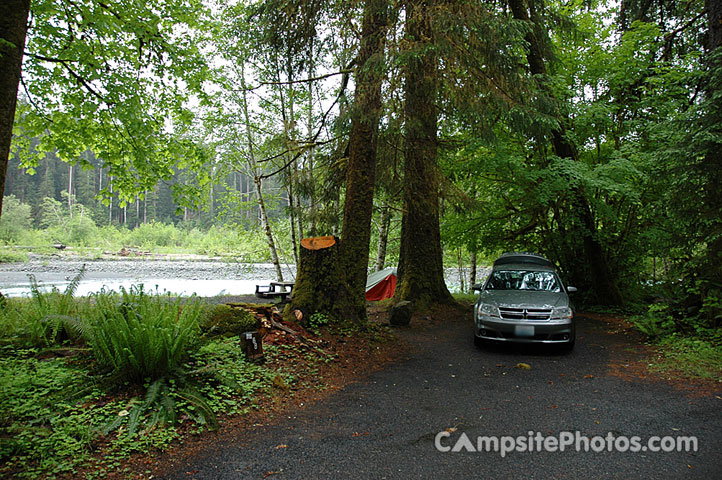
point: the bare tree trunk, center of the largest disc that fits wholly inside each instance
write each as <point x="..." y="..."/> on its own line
<point x="100" y="183"/>
<point x="110" y="206"/>
<point x="253" y="166"/>
<point x="292" y="219"/>
<point x="211" y="200"/>
<point x="459" y="259"/>
<point x="288" y="122"/>
<point x="294" y="180"/>
<point x="13" y="29"/>
<point x="267" y="229"/>
<point x="70" y="191"/>
<point x="384" y="224"/>
<point x="310" y="157"/>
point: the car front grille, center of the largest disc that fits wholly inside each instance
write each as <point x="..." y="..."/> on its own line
<point x="525" y="313"/>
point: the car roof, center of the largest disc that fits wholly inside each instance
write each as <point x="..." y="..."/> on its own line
<point x="523" y="258"/>
<point x="524" y="266"/>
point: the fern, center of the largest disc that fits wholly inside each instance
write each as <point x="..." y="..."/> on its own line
<point x="46" y="320"/>
<point x="142" y="336"/>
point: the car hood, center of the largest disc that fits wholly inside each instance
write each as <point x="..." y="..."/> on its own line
<point x="525" y="298"/>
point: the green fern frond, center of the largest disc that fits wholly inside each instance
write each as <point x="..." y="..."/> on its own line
<point x="112" y="425"/>
<point x="134" y="418"/>
<point x="36" y="294"/>
<point x="206" y="414"/>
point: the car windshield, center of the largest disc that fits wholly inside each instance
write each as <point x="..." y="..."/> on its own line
<point x="523" y="280"/>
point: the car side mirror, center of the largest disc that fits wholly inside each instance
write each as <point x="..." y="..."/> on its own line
<point x="571" y="289"/>
<point x="477" y="287"/>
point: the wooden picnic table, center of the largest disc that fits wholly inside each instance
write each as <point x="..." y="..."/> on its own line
<point x="281" y="290"/>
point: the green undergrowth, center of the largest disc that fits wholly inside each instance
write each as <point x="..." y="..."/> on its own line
<point x="85" y="382"/>
<point x="465" y="298"/>
<point x="59" y="416"/>
<point x="687" y="347"/>
<point x="687" y="357"/>
<point x="8" y="255"/>
<point x="86" y="239"/>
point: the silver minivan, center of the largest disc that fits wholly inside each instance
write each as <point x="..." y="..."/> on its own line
<point x="524" y="300"/>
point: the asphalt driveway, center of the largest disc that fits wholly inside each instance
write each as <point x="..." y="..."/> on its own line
<point x="387" y="425"/>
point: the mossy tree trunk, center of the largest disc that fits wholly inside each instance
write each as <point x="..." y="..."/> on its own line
<point x="421" y="272"/>
<point x="361" y="170"/>
<point x="13" y="29"/>
<point x="711" y="201"/>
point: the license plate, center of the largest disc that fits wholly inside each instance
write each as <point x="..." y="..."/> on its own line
<point x="524" y="330"/>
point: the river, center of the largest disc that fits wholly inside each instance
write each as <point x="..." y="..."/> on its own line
<point x="206" y="278"/>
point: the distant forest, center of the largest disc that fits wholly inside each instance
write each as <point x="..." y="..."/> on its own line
<point x="54" y="178"/>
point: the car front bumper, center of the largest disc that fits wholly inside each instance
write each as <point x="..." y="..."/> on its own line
<point x="552" y="331"/>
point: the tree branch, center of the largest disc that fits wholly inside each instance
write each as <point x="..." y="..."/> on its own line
<point x="318" y="132"/>
<point x="302" y="148"/>
<point x="669" y="35"/>
<point x="78" y="78"/>
<point x="305" y="80"/>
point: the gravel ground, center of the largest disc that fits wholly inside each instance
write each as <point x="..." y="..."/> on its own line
<point x="135" y="268"/>
<point x="384" y="427"/>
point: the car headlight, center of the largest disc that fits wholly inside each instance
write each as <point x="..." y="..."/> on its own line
<point x="561" y="313"/>
<point x="488" y="310"/>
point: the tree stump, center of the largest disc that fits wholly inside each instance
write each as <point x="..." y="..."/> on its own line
<point x="317" y="279"/>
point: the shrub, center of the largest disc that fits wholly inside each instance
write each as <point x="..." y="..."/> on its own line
<point x="9" y="256"/>
<point x="156" y="235"/>
<point x="16" y="219"/>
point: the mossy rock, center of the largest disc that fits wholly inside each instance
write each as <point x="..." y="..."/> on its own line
<point x="400" y="314"/>
<point x="226" y="321"/>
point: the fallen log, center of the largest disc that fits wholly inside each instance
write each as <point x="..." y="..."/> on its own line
<point x="270" y="318"/>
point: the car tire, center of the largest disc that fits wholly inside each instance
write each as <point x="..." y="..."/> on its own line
<point x="478" y="342"/>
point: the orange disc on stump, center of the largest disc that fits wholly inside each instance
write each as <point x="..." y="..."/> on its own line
<point x="318" y="243"/>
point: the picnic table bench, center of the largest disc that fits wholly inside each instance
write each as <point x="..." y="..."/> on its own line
<point x="280" y="290"/>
